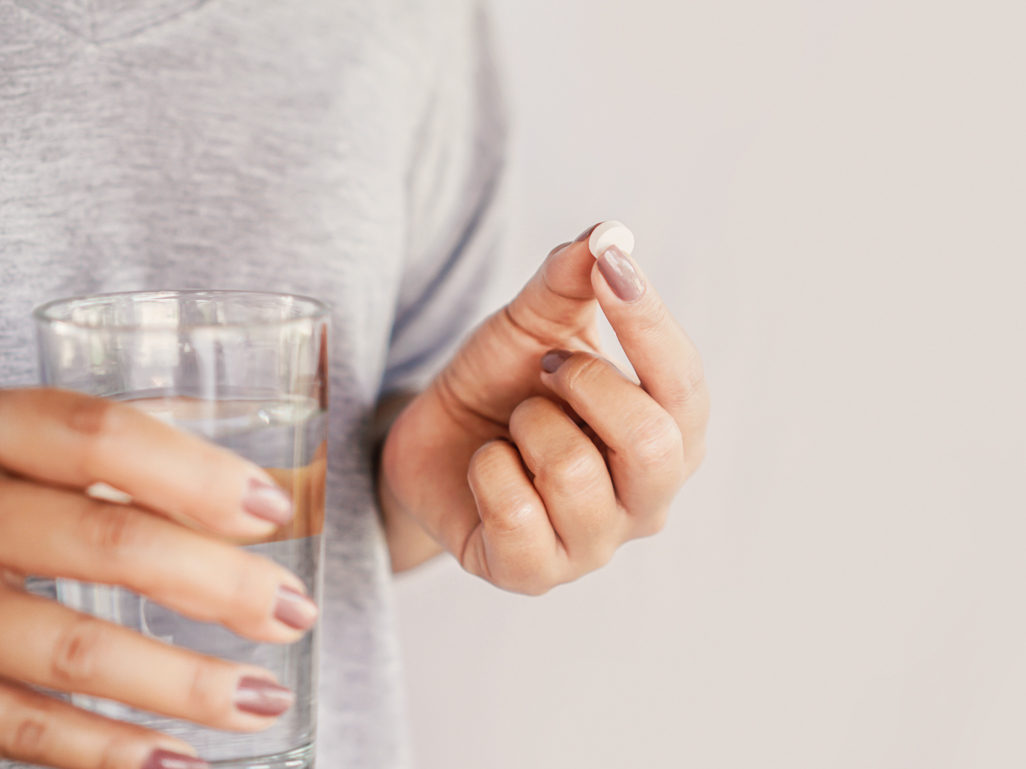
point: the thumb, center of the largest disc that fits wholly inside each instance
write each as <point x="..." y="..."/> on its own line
<point x="498" y="367"/>
<point x="559" y="300"/>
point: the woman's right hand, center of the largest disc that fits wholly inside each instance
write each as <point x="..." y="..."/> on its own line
<point x="169" y="545"/>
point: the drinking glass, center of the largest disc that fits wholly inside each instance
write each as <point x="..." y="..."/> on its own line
<point x="249" y="372"/>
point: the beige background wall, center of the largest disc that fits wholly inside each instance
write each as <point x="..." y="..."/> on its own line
<point x="832" y="198"/>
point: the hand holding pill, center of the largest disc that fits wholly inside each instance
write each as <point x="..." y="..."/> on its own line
<point x="531" y="458"/>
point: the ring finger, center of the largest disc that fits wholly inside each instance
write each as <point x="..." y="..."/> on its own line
<point x="46" y="644"/>
<point x="57" y="533"/>
<point x="572" y="479"/>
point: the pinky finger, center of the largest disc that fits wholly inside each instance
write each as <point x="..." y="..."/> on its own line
<point x="42" y="730"/>
<point x="515" y="546"/>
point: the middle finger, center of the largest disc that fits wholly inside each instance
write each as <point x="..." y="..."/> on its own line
<point x="646" y="452"/>
<point x="57" y="533"/>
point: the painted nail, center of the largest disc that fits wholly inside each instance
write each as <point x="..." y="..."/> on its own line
<point x="584" y="235"/>
<point x="165" y="759"/>
<point x="295" y="609"/>
<point x="267" y="501"/>
<point x="553" y="359"/>
<point x="620" y="275"/>
<point x="262" y="698"/>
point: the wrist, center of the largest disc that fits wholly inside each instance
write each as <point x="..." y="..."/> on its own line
<point x="408" y="544"/>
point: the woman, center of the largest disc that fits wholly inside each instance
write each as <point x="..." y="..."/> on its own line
<point x="350" y="151"/>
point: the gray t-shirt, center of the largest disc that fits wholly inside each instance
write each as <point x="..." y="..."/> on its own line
<point x="340" y="149"/>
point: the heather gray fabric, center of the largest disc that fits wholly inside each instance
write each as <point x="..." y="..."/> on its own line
<point x="346" y="150"/>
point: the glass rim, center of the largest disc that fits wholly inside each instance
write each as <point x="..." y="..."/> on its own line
<point x="44" y="312"/>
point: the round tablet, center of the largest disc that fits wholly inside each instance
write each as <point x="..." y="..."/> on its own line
<point x="610" y="234"/>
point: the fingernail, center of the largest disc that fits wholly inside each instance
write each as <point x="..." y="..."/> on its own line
<point x="553" y="359"/>
<point x="267" y="501"/>
<point x="586" y="233"/>
<point x="262" y="698"/>
<point x="165" y="759"/>
<point x="620" y="275"/>
<point x="295" y="609"/>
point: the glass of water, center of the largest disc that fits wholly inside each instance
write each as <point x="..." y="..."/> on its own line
<point x="248" y="371"/>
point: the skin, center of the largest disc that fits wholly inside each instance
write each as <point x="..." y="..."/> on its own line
<point x="171" y="545"/>
<point x="532" y="479"/>
<point x="529" y="478"/>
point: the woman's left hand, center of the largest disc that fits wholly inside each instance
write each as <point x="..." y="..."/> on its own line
<point x="531" y="458"/>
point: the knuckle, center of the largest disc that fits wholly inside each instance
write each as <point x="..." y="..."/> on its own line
<point x="573" y="470"/>
<point x="94" y="417"/>
<point x="95" y="421"/>
<point x="654" y="319"/>
<point x="693" y="391"/>
<point x="583" y="371"/>
<point x="249" y="603"/>
<point x="657" y="442"/>
<point x="204" y="699"/>
<point x="112" y="530"/>
<point x="512" y="516"/>
<point x="75" y="659"/>
<point x="26" y="724"/>
<point x="28" y="737"/>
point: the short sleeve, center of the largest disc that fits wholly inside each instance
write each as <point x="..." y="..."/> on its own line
<point x="455" y="188"/>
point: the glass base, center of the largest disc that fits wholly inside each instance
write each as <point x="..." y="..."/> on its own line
<point x="298" y="758"/>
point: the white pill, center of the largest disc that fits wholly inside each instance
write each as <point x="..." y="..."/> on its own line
<point x="610" y="234"/>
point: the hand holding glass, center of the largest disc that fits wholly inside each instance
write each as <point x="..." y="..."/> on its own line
<point x="246" y="371"/>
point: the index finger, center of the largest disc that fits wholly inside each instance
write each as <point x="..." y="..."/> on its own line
<point x="664" y="358"/>
<point x="70" y="439"/>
